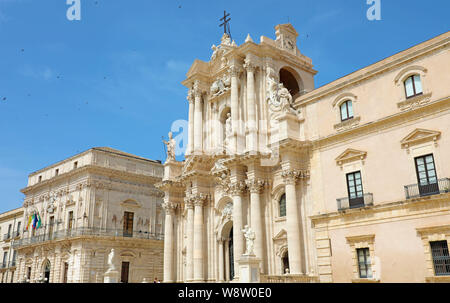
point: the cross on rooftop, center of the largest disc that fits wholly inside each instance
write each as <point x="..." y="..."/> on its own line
<point x="225" y="24"/>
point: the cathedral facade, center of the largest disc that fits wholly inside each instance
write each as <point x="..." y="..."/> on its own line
<point x="348" y="182"/>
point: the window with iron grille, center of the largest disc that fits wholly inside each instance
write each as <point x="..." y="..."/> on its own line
<point x="364" y="265"/>
<point x="441" y="258"/>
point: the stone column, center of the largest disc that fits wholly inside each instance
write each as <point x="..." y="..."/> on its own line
<point x="198" y="238"/>
<point x="251" y="122"/>
<point x="168" y="242"/>
<point x="198" y="118"/>
<point x="221" y="261"/>
<point x="237" y="190"/>
<point x="190" y="240"/>
<point x="255" y="186"/>
<point x="293" y="222"/>
<point x="191" y="124"/>
<point x="234" y="71"/>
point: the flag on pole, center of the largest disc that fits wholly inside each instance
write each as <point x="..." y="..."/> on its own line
<point x="34" y="221"/>
<point x="38" y="221"/>
<point x="29" y="221"/>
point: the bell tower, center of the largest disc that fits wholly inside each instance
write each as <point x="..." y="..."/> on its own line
<point x="286" y="37"/>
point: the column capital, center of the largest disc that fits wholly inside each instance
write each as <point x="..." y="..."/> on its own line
<point x="235" y="70"/>
<point x="255" y="185"/>
<point x="291" y="176"/>
<point x="191" y="96"/>
<point x="250" y="65"/>
<point x="169" y="208"/>
<point x="198" y="89"/>
<point x="188" y="203"/>
<point x="238" y="188"/>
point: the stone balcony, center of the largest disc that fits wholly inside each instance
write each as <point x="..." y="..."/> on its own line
<point x="86" y="232"/>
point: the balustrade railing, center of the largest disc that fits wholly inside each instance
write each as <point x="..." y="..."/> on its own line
<point x="421" y="190"/>
<point x="347" y="203"/>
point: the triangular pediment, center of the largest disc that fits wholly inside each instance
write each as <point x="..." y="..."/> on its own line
<point x="350" y="155"/>
<point x="420" y="135"/>
<point x="282" y="235"/>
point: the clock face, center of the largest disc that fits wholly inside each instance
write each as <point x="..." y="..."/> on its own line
<point x="288" y="44"/>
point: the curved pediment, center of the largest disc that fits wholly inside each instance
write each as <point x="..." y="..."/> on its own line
<point x="420" y="135"/>
<point x="350" y="155"/>
<point x="282" y="235"/>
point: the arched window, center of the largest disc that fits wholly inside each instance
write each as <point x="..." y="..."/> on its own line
<point x="282" y="206"/>
<point x="346" y="110"/>
<point x="413" y="86"/>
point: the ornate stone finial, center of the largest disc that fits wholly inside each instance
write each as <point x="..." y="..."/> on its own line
<point x="226" y="40"/>
<point x="170" y="148"/>
<point x="234" y="43"/>
<point x="248" y="39"/>
<point x="250" y="237"/>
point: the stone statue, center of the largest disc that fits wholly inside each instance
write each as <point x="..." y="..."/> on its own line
<point x="170" y="148"/>
<point x="215" y="51"/>
<point x="111" y="258"/>
<point x="250" y="237"/>
<point x="228" y="126"/>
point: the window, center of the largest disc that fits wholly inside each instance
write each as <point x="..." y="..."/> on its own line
<point x="441" y="258"/>
<point x="413" y="86"/>
<point x="125" y="272"/>
<point x="365" y="270"/>
<point x="70" y="219"/>
<point x="346" y="110"/>
<point x="282" y="206"/>
<point x="40" y="179"/>
<point x="5" y="257"/>
<point x="285" y="261"/>
<point x="66" y="270"/>
<point x="9" y="231"/>
<point x="14" y="258"/>
<point x="18" y="228"/>
<point x="56" y="172"/>
<point x="128" y="224"/>
<point x="29" y="272"/>
<point x="75" y="165"/>
<point x="50" y="227"/>
<point x="426" y="175"/>
<point x="12" y="277"/>
<point x="355" y="190"/>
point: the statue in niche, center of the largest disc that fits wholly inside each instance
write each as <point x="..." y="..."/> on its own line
<point x="250" y="237"/>
<point x="228" y="126"/>
<point x="170" y="148"/>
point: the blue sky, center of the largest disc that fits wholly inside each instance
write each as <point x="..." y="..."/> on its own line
<point x="113" y="78"/>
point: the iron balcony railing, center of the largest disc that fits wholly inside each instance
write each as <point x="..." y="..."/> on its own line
<point x="6" y="236"/>
<point x="3" y="265"/>
<point x="12" y="263"/>
<point x="347" y="203"/>
<point x="86" y="231"/>
<point x="421" y="190"/>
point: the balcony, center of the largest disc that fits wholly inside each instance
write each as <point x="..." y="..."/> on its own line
<point x="3" y="265"/>
<point x="347" y="203"/>
<point x="86" y="231"/>
<point x="417" y="190"/>
<point x="6" y="236"/>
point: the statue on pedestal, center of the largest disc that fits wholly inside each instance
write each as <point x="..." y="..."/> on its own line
<point x="170" y="148"/>
<point x="250" y="237"/>
<point x="111" y="259"/>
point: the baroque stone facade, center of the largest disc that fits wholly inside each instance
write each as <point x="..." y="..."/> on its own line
<point x="86" y="205"/>
<point x="331" y="180"/>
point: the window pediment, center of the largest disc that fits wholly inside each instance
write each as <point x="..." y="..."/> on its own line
<point x="130" y="203"/>
<point x="350" y="155"/>
<point x="282" y="235"/>
<point x="419" y="136"/>
<point x="409" y="71"/>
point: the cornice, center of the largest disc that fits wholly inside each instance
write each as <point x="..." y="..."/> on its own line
<point x="396" y="119"/>
<point x="104" y="171"/>
<point x="389" y="63"/>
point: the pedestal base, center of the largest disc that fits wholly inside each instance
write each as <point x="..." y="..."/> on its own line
<point x="249" y="269"/>
<point x="111" y="277"/>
